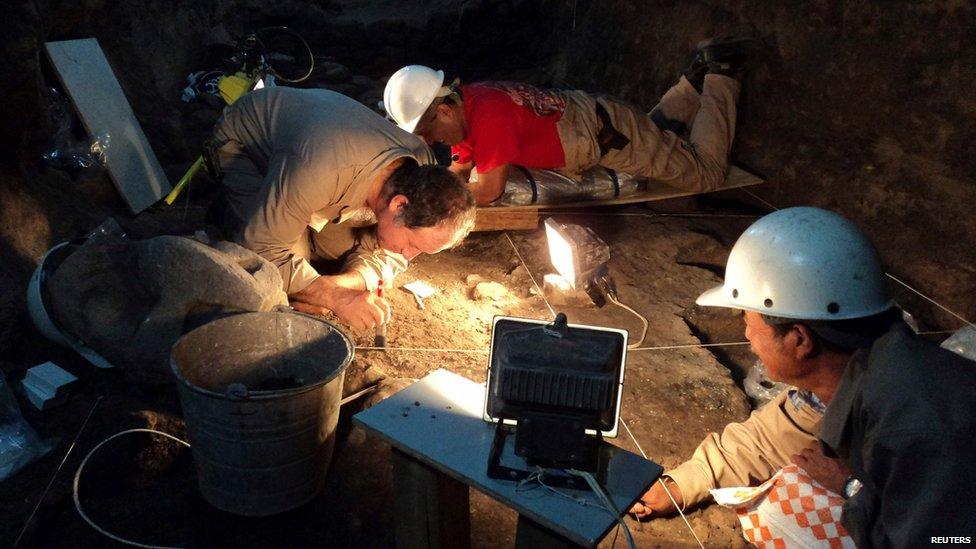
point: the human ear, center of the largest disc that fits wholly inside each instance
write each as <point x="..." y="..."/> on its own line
<point x="397" y="205"/>
<point x="444" y="110"/>
<point x="804" y="342"/>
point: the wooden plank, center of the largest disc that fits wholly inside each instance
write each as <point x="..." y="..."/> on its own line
<point x="431" y="508"/>
<point x="530" y="535"/>
<point x="438" y="421"/>
<point x="97" y="96"/>
<point x="501" y="219"/>
<point x="518" y="217"/>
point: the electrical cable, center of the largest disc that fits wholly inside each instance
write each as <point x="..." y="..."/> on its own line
<point x="77" y="499"/>
<point x="538" y="477"/>
<point x="663" y="485"/>
<point x="271" y="69"/>
<point x="77" y="479"/>
<point x="602" y="494"/>
<point x="636" y="344"/>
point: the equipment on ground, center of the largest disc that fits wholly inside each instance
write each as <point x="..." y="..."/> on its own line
<point x="261" y="395"/>
<point x="582" y="258"/>
<point x="410" y="92"/>
<point x="558" y="387"/>
<point x="803" y="263"/>
<point x="254" y="69"/>
<point x="39" y="310"/>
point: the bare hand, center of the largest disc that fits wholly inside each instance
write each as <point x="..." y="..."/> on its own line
<point x="360" y="309"/>
<point x="830" y="473"/>
<point x="655" y="502"/>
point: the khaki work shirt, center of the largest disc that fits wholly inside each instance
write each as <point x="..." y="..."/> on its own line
<point x="313" y="154"/>
<point x="750" y="452"/>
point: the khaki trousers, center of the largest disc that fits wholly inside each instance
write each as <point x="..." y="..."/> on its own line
<point x="696" y="163"/>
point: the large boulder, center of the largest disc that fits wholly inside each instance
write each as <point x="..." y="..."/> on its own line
<point x="131" y="300"/>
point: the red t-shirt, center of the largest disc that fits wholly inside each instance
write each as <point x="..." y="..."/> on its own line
<point x="510" y="123"/>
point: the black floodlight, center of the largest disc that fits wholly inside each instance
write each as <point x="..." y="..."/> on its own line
<point x="558" y="386"/>
<point x="581" y="258"/>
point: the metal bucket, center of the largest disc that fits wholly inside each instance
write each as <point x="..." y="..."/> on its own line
<point x="261" y="393"/>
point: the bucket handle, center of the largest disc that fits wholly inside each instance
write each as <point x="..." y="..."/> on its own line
<point x="238" y="394"/>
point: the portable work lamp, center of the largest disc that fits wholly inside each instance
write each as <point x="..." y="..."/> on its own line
<point x="582" y="259"/>
<point x="557" y="387"/>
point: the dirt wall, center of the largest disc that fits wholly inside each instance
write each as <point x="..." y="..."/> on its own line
<point x="862" y="107"/>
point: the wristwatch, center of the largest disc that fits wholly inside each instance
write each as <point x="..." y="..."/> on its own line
<point x="851" y="487"/>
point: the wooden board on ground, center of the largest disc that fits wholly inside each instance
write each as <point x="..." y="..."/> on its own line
<point x="500" y="218"/>
<point x="98" y="98"/>
<point x="438" y="422"/>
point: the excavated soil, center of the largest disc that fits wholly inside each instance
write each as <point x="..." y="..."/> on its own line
<point x="143" y="488"/>
<point x="861" y="107"/>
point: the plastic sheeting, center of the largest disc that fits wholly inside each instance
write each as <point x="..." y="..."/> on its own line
<point x="532" y="186"/>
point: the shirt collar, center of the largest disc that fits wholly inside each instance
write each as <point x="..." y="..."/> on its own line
<point x="835" y="429"/>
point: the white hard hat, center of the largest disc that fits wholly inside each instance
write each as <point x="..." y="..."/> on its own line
<point x="803" y="263"/>
<point x="409" y="93"/>
<point x="38" y="308"/>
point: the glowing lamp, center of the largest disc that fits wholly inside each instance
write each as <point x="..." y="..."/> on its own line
<point x="581" y="258"/>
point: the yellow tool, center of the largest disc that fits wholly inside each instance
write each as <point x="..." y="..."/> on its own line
<point x="232" y="87"/>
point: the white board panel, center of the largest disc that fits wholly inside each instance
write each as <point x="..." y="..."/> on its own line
<point x="98" y="98"/>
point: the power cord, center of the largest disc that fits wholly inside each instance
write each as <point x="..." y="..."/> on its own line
<point x="640" y="316"/>
<point x="605" y="504"/>
<point x="77" y="498"/>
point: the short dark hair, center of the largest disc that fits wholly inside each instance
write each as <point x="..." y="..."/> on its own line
<point x="842" y="336"/>
<point x="436" y="196"/>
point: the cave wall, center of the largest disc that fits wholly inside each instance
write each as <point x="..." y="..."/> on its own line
<point x="863" y="107"/>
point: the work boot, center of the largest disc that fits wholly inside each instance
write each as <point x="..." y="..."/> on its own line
<point x="726" y="56"/>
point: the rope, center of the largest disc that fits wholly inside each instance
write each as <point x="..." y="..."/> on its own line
<point x="537" y="288"/>
<point x="663" y="485"/>
<point x="691" y="346"/>
<point x="422" y="350"/>
<point x="77" y="498"/>
<point x="639" y="214"/>
<point x="930" y="300"/>
<point x="757" y="197"/>
<point x="485" y="351"/>
<point x="56" y="471"/>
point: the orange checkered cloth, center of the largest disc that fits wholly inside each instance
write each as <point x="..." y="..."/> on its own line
<point x="789" y="510"/>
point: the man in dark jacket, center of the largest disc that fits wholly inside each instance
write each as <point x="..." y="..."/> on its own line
<point x="897" y="437"/>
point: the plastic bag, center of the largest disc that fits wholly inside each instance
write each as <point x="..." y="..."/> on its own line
<point x="79" y="157"/>
<point x="19" y="443"/>
<point x="759" y="387"/>
<point x="532" y="186"/>
<point x="962" y="342"/>
<point x="789" y="510"/>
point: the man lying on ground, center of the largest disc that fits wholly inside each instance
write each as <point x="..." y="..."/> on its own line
<point x="491" y="126"/>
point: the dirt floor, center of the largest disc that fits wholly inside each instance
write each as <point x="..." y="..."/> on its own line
<point x="144" y="489"/>
<point x="904" y="174"/>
